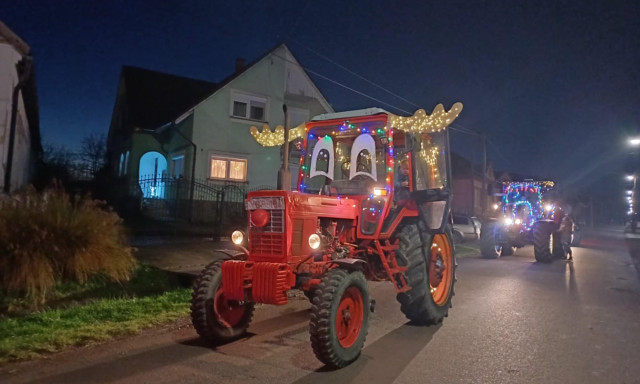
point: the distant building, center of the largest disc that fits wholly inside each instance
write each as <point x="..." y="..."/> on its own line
<point x="468" y="196"/>
<point x="20" y="146"/>
<point x="166" y="127"/>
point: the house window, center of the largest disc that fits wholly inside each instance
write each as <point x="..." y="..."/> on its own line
<point x="228" y="169"/>
<point x="239" y="109"/>
<point x="248" y="106"/>
<point x="177" y="166"/>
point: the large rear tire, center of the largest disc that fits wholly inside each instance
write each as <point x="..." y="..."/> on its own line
<point x="431" y="274"/>
<point x="489" y="247"/>
<point x="339" y="317"/>
<point x="215" y="318"/>
<point x="544" y="242"/>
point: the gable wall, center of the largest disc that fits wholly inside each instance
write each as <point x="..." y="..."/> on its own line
<point x="216" y="133"/>
<point x="22" y="155"/>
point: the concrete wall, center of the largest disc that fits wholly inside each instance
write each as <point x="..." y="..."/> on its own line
<point x="22" y="155"/>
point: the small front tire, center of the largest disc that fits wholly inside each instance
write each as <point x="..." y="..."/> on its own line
<point x="339" y="317"/>
<point x="215" y="318"/>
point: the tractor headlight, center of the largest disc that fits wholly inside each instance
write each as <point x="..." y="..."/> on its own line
<point x="314" y="241"/>
<point x="508" y="221"/>
<point x="379" y="191"/>
<point x="518" y="221"/>
<point x="237" y="237"/>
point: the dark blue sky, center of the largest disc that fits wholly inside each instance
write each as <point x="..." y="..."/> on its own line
<point x="553" y="83"/>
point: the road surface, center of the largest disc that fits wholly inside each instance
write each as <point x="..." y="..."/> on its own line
<point x="513" y="321"/>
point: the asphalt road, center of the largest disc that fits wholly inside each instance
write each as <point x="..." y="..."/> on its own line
<point x="513" y="321"/>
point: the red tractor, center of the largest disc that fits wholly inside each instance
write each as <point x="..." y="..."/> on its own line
<point x="347" y="222"/>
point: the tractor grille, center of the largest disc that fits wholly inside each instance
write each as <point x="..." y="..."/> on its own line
<point x="269" y="240"/>
<point x="275" y="224"/>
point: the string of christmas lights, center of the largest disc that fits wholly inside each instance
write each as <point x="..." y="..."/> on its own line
<point x="421" y="122"/>
<point x="268" y="138"/>
<point x="438" y="120"/>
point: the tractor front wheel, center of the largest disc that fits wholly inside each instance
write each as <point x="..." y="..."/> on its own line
<point x="431" y="267"/>
<point x="215" y="318"/>
<point x="339" y="317"/>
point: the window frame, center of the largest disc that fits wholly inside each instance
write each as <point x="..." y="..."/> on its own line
<point x="173" y="158"/>
<point x="248" y="98"/>
<point x="228" y="160"/>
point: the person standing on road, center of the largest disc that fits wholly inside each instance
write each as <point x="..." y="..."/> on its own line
<point x="566" y="232"/>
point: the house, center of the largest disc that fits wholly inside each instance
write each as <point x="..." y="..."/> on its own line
<point x="169" y="129"/>
<point x="20" y="146"/>
<point x="468" y="195"/>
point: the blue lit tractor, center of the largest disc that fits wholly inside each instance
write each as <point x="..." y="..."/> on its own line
<point x="524" y="217"/>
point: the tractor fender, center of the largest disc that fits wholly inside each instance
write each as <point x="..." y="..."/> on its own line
<point x="350" y="264"/>
<point x="551" y="224"/>
<point x="233" y="254"/>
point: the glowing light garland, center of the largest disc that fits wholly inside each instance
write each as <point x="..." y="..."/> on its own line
<point x="430" y="156"/>
<point x="516" y="193"/>
<point x="438" y="120"/>
<point x="268" y="138"/>
<point x="421" y="122"/>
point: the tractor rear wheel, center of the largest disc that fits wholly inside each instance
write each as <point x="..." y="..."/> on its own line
<point x="215" y="318"/>
<point x="489" y="249"/>
<point x="339" y="317"/>
<point x="544" y="242"/>
<point x="431" y="267"/>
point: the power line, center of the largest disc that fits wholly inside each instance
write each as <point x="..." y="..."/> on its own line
<point x="495" y="147"/>
<point x="353" y="73"/>
<point x="341" y="85"/>
<point x="462" y="129"/>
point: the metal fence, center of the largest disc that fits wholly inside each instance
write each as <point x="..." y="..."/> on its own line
<point x="199" y="201"/>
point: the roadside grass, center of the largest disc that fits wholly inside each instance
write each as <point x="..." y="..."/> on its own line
<point x="470" y="249"/>
<point x="97" y="311"/>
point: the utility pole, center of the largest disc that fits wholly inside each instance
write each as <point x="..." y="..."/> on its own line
<point x="484" y="174"/>
<point x="284" y="177"/>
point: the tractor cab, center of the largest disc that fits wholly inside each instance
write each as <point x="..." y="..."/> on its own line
<point x="361" y="156"/>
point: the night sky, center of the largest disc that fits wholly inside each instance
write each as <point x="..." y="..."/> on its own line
<point x="554" y="84"/>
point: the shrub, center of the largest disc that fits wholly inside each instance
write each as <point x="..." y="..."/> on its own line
<point x="49" y="238"/>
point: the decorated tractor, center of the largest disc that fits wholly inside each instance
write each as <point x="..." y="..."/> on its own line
<point x="524" y="217"/>
<point x="347" y="223"/>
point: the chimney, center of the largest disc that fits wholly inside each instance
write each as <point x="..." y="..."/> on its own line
<point x="239" y="64"/>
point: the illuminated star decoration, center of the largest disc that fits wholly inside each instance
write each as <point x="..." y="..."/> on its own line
<point x="438" y="120"/>
<point x="268" y="138"/>
<point x="420" y="122"/>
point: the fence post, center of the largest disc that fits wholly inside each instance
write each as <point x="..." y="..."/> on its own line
<point x="192" y="186"/>
<point x="177" y="199"/>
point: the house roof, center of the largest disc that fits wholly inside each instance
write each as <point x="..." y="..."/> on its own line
<point x="155" y="98"/>
<point x="7" y="35"/>
<point x="248" y="66"/>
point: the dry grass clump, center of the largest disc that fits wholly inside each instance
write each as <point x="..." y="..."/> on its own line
<point x="48" y="237"/>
